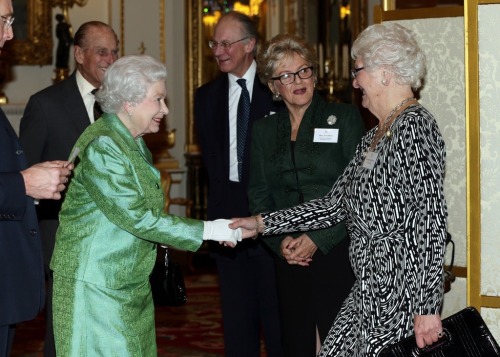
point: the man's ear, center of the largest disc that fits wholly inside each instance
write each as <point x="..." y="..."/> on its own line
<point x="78" y="54"/>
<point x="250" y="45"/>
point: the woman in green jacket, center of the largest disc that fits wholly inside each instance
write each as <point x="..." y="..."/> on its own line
<point x="112" y="220"/>
<point x="297" y="155"/>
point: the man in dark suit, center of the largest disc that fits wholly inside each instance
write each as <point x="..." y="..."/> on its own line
<point x="21" y="267"/>
<point x="53" y="120"/>
<point x="246" y="273"/>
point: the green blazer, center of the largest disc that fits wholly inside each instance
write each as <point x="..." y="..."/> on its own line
<point x="112" y="216"/>
<point x="275" y="182"/>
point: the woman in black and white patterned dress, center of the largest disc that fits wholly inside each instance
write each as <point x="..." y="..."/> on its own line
<point x="391" y="195"/>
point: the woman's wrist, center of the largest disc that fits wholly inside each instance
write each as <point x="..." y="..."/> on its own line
<point x="259" y="224"/>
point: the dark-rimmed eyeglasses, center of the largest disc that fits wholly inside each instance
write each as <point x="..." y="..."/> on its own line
<point x="288" y="78"/>
<point x="7" y="21"/>
<point x="226" y="45"/>
<point x="354" y="72"/>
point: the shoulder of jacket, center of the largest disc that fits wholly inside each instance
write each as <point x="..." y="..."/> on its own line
<point x="93" y="133"/>
<point x="55" y="90"/>
<point x="216" y="82"/>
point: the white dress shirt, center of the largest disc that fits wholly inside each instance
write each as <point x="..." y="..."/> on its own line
<point x="86" y="89"/>
<point x="234" y="97"/>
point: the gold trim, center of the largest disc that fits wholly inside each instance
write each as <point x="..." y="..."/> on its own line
<point x="110" y="12"/>
<point x="194" y="52"/>
<point x="473" y="156"/>
<point x="490" y="301"/>
<point x="162" y="32"/>
<point x="473" y="150"/>
<point x="36" y="49"/>
<point x="421" y="13"/>
<point x="389" y="5"/>
<point x="122" y="27"/>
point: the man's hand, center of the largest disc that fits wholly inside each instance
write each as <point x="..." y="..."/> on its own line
<point x="46" y="180"/>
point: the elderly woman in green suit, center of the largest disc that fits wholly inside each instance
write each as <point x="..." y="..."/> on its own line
<point x="297" y="155"/>
<point x="112" y="220"/>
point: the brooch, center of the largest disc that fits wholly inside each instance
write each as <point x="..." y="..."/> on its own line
<point x="332" y="119"/>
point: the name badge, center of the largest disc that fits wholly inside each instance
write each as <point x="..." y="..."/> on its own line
<point x="325" y="135"/>
<point x="370" y="159"/>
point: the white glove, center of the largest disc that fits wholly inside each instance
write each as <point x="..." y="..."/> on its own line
<point x="219" y="230"/>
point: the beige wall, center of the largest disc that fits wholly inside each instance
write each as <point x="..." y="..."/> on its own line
<point x="489" y="85"/>
<point x="444" y="95"/>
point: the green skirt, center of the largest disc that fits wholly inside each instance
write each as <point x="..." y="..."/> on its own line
<point x="91" y="320"/>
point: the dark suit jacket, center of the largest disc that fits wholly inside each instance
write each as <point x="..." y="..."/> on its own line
<point x="278" y="181"/>
<point x="21" y="265"/>
<point x="226" y="199"/>
<point x="53" y="120"/>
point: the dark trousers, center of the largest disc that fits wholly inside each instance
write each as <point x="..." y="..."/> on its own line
<point x="249" y="303"/>
<point x="311" y="297"/>
<point x="6" y="339"/>
<point x="48" y="229"/>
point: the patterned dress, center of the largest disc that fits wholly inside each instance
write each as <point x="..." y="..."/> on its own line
<point x="396" y="217"/>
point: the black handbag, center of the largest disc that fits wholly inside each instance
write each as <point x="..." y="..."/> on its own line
<point x="167" y="282"/>
<point x="173" y="284"/>
<point x="465" y="335"/>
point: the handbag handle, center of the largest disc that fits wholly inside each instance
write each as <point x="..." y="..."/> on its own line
<point x="449" y="277"/>
<point x="166" y="259"/>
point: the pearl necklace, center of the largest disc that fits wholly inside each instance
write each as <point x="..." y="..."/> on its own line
<point x="384" y="128"/>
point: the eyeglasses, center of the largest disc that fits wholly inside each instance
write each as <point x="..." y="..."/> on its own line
<point x="288" y="78"/>
<point x="7" y="21"/>
<point x="354" y="72"/>
<point x="226" y="45"/>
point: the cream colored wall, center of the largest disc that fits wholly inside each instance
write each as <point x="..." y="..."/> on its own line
<point x="444" y="96"/>
<point x="489" y="94"/>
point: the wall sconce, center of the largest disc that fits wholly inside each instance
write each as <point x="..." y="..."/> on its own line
<point x="67" y="4"/>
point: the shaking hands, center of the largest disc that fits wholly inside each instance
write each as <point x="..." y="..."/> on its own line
<point x="219" y="231"/>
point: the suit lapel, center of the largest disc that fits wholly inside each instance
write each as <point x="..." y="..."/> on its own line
<point x="74" y="106"/>
<point x="222" y="120"/>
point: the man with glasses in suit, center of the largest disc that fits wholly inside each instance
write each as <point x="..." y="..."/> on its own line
<point x="246" y="273"/>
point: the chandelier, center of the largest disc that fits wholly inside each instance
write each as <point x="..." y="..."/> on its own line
<point x="214" y="9"/>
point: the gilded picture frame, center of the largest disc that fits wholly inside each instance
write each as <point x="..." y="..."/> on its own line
<point x="34" y="45"/>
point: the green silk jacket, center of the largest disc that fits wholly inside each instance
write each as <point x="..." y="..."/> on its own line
<point x="112" y="216"/>
<point x="275" y="183"/>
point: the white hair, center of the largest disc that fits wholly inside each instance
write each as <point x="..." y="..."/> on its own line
<point x="128" y="80"/>
<point x="394" y="47"/>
